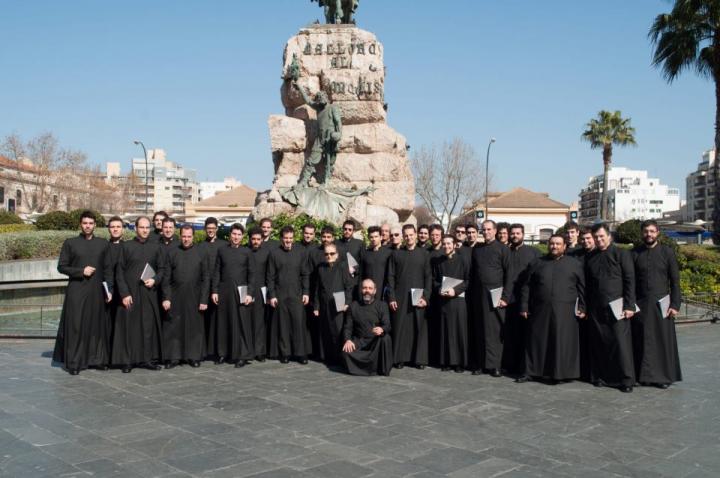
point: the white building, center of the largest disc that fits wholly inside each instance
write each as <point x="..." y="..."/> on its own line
<point x="170" y="186"/>
<point x="700" y="189"/>
<point x="631" y="195"/>
<point x="209" y="189"/>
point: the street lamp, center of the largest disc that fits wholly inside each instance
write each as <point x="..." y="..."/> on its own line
<point x="146" y="173"/>
<point x="487" y="177"/>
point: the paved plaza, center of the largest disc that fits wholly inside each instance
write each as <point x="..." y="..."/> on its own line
<point x="273" y="420"/>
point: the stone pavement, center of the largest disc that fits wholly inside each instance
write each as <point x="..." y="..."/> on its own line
<point x="272" y="420"/>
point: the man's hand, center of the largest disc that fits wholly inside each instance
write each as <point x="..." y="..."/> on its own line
<point x="166" y="305"/>
<point x="150" y="283"/>
<point x="88" y="271"/>
<point x="349" y="347"/>
<point x="305" y="299"/>
<point x="202" y="307"/>
<point x="248" y="300"/>
<point x="273" y="303"/>
<point x="346" y="308"/>
<point x="378" y="331"/>
<point x="215" y="298"/>
<point x="627" y="314"/>
<point x="582" y="315"/>
<point x="672" y="313"/>
<point x="524" y="315"/>
<point x="127" y="301"/>
<point x="449" y="293"/>
<point x="502" y="304"/>
<point x="108" y="298"/>
<point x="394" y="306"/>
<point x="422" y="303"/>
<point x="316" y="313"/>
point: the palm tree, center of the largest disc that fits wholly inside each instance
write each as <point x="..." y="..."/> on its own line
<point x="689" y="37"/>
<point x="607" y="129"/>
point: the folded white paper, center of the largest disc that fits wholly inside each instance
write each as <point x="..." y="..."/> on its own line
<point x="147" y="273"/>
<point x="495" y="295"/>
<point x="339" y="301"/>
<point x="617" y="308"/>
<point x="577" y="306"/>
<point x="449" y="283"/>
<point x="242" y="292"/>
<point x="352" y="263"/>
<point x="263" y="289"/>
<point x="108" y="295"/>
<point x="415" y="296"/>
<point x="664" y="304"/>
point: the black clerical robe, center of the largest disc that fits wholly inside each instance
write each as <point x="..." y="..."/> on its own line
<point x="112" y="259"/>
<point x="314" y="256"/>
<point x="209" y="249"/>
<point x="138" y="332"/>
<point x="288" y="281"/>
<point x="610" y="275"/>
<point x="490" y="270"/>
<point x="260" y="310"/>
<point x="521" y="258"/>
<point x="654" y="342"/>
<point x="451" y="311"/>
<point x="232" y="335"/>
<point x="549" y="296"/>
<point x="351" y="246"/>
<point x="374" y="353"/>
<point x="186" y="285"/>
<point x="409" y="269"/>
<point x="331" y="278"/>
<point x="82" y="338"/>
<point x="374" y="266"/>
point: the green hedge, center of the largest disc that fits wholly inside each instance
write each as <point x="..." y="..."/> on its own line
<point x="4" y="228"/>
<point x="40" y="244"/>
<point x="65" y="221"/>
<point x="9" y="218"/>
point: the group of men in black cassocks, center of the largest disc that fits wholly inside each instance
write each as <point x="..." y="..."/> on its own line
<point x="478" y="300"/>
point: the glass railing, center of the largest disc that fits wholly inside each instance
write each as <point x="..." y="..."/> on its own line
<point x="29" y="320"/>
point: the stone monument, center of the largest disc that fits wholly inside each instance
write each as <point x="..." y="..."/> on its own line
<point x="334" y="155"/>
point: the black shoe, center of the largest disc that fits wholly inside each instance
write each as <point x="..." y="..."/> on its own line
<point x="420" y="366"/>
<point x="74" y="371"/>
<point x="445" y="369"/>
<point x="239" y="363"/>
<point x="194" y="363"/>
<point x="103" y="368"/>
<point x="153" y="366"/>
<point x="495" y="373"/>
<point x="662" y="386"/>
<point x="459" y="369"/>
<point x="626" y="388"/>
<point x="599" y="383"/>
<point x="284" y="360"/>
<point x="126" y="369"/>
<point x="399" y="365"/>
<point x="219" y="360"/>
<point x="260" y="359"/>
<point x="303" y="361"/>
<point x="522" y="379"/>
<point x="477" y="372"/>
<point x="171" y="364"/>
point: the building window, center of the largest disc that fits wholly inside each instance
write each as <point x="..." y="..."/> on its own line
<point x="2" y="196"/>
<point x="18" y="198"/>
<point x="55" y="201"/>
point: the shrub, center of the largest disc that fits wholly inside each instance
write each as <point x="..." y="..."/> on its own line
<point x="4" y="228"/>
<point x="56" y="221"/>
<point x="7" y="217"/>
<point x="297" y="222"/>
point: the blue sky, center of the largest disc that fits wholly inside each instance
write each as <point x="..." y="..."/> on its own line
<point x="199" y="79"/>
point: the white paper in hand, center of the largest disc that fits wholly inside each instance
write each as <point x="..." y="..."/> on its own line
<point x="108" y="295"/>
<point x="577" y="307"/>
<point x="617" y="308"/>
<point x="352" y="263"/>
<point x="242" y="292"/>
<point x="415" y="296"/>
<point x="263" y="289"/>
<point x="147" y="273"/>
<point x="495" y="296"/>
<point x="664" y="304"/>
<point x="449" y="283"/>
<point x="339" y="301"/>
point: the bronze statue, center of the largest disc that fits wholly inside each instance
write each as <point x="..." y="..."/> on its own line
<point x="339" y="11"/>
<point x="329" y="133"/>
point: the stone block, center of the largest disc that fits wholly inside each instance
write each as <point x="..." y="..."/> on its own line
<point x="372" y="138"/>
<point x="358" y="112"/>
<point x="286" y="133"/>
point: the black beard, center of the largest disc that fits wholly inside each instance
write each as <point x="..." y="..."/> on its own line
<point x="650" y="242"/>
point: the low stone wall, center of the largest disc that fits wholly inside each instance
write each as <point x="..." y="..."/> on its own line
<point x="31" y="282"/>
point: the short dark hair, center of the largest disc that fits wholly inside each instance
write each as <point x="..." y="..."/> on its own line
<point x="328" y="229"/>
<point x="600" y="225"/>
<point x="503" y="225"/>
<point x="349" y="222"/>
<point x="264" y="220"/>
<point x="255" y="231"/>
<point x="571" y="225"/>
<point x="87" y="214"/>
<point x="137" y="220"/>
<point x="458" y="225"/>
<point x="159" y="213"/>
<point x="116" y="218"/>
<point x="585" y="230"/>
<point x="471" y="225"/>
<point x="169" y="219"/>
<point x="447" y="236"/>
<point x="517" y="225"/>
<point x="372" y="229"/>
<point x="408" y="226"/>
<point x="185" y="227"/>
<point x="561" y="236"/>
<point x="424" y="226"/>
<point x="237" y="226"/>
<point x="211" y="220"/>
<point x="308" y="225"/>
<point x="437" y="227"/>
<point x="286" y="230"/>
<point x="648" y="223"/>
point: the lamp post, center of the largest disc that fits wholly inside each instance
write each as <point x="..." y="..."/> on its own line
<point x="146" y="173"/>
<point x="487" y="177"/>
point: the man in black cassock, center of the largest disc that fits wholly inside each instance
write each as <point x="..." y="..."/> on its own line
<point x="368" y="347"/>
<point x="490" y="270"/>
<point x="555" y="284"/>
<point x="409" y="268"/>
<point x="423" y="232"/>
<point x="209" y="247"/>
<point x="185" y="292"/>
<point x="503" y="233"/>
<point x="610" y="275"/>
<point x="451" y="308"/>
<point x="266" y="226"/>
<point x="167" y="235"/>
<point x="348" y="244"/>
<point x="472" y="234"/>
<point x="374" y="261"/>
<point x="259" y="308"/>
<point x="288" y="292"/>
<point x="587" y="245"/>
<point x="396" y="238"/>
<point x="232" y="337"/>
<point x="657" y="275"/>
<point x="385" y="234"/>
<point x="521" y="258"/>
<point x="138" y="331"/>
<point x="82" y="334"/>
<point x="332" y="276"/>
<point x="572" y="237"/>
<point x="157" y="222"/>
<point x="315" y="256"/>
<point x="115" y="227"/>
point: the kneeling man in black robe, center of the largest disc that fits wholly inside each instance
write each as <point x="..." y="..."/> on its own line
<point x="368" y="346"/>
